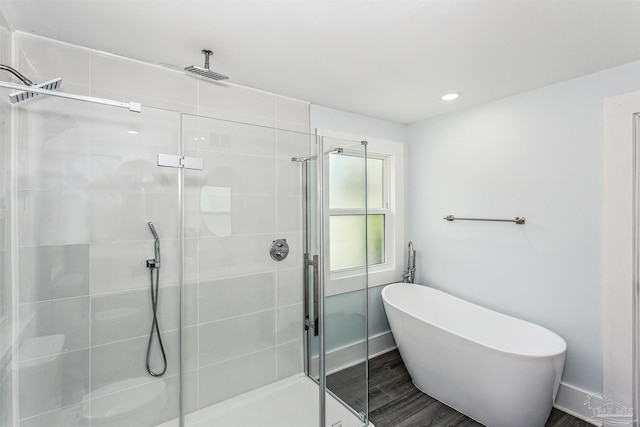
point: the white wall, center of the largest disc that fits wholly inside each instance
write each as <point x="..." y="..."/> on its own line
<point x="618" y="246"/>
<point x="341" y="121"/>
<point x="538" y="155"/>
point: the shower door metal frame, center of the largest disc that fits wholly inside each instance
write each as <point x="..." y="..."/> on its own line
<point x="308" y="261"/>
<point x="322" y="368"/>
<point x="317" y="262"/>
<point x="636" y="272"/>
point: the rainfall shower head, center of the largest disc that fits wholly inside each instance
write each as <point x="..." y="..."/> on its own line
<point x="205" y="72"/>
<point x="21" y="95"/>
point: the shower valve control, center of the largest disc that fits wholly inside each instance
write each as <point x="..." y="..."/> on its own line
<point x="279" y="249"/>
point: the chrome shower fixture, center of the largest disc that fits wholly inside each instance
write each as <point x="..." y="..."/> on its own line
<point x="410" y="272"/>
<point x="205" y="72"/>
<point x="337" y="150"/>
<point x="154" y="263"/>
<point x="22" y="95"/>
<point x="15" y="72"/>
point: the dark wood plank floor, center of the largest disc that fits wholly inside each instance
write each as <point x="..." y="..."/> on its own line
<point x="395" y="402"/>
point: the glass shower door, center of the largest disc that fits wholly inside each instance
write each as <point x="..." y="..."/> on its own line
<point x="337" y="293"/>
<point x="87" y="186"/>
<point x="245" y="329"/>
<point x="245" y="343"/>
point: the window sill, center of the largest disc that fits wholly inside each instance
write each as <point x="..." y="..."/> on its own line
<point x="353" y="280"/>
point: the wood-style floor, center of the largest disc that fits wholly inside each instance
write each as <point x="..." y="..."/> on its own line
<point x="395" y="402"/>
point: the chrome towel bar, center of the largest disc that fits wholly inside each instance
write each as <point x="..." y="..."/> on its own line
<point x="518" y="220"/>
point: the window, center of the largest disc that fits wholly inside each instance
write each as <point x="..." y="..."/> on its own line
<point x="347" y="213"/>
<point x="346" y="198"/>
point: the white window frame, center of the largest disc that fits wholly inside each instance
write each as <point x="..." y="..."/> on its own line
<point x="388" y="230"/>
<point x="348" y="280"/>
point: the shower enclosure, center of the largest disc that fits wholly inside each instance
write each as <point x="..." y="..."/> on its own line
<point x="239" y="329"/>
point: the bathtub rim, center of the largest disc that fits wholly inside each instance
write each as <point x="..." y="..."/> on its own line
<point x="549" y="355"/>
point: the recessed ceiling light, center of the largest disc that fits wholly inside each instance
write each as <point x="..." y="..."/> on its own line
<point x="450" y="96"/>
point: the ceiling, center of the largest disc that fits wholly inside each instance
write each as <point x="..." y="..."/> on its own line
<point x="385" y="59"/>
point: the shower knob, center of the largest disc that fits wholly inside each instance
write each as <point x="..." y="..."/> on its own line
<point x="279" y="249"/>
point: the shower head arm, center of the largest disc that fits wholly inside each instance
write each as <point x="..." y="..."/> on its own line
<point x="207" y="53"/>
<point x="16" y="73"/>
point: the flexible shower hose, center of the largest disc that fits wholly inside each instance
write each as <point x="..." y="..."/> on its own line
<point x="154" y="324"/>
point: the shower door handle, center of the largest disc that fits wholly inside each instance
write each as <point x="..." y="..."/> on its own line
<point x="314" y="263"/>
<point x="308" y="323"/>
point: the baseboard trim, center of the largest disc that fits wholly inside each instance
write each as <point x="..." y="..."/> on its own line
<point x="571" y="399"/>
<point x="380" y="344"/>
<point x="352" y="354"/>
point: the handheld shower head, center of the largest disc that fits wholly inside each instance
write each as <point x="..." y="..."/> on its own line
<point x="156" y="246"/>
<point x="153" y="231"/>
<point x="205" y="72"/>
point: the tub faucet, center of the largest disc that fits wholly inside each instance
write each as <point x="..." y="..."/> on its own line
<point x="410" y="272"/>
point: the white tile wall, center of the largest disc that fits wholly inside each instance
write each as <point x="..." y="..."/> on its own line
<point x="53" y="217"/>
<point x="234" y="296"/>
<point x="124" y="315"/>
<point x="290" y="359"/>
<point x="235" y="255"/>
<point x="244" y="174"/>
<point x="117" y="266"/>
<point x="112" y="363"/>
<point x="136" y="78"/>
<point x="68" y="316"/>
<point x="237" y="336"/>
<point x="290" y="284"/>
<point x="44" y="60"/>
<point x="292" y="115"/>
<point x="232" y="377"/>
<point x="53" y="161"/>
<point x="230" y="137"/>
<point x="229" y="102"/>
<point x="71" y="416"/>
<point x="290" y="324"/>
<point x="54" y="384"/>
<point x="88" y="183"/>
<point x="53" y="272"/>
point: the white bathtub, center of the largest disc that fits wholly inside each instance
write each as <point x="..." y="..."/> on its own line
<point x="494" y="368"/>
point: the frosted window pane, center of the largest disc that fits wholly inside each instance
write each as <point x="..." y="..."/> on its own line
<point x="347" y="239"/>
<point x="346" y="183"/>
<point x="375" y="185"/>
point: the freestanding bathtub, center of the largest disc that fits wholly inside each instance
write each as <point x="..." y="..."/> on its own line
<point x="498" y="370"/>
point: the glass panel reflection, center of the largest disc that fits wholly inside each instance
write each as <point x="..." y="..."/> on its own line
<point x="88" y="184"/>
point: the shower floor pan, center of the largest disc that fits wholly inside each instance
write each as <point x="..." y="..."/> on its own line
<point x="291" y="402"/>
